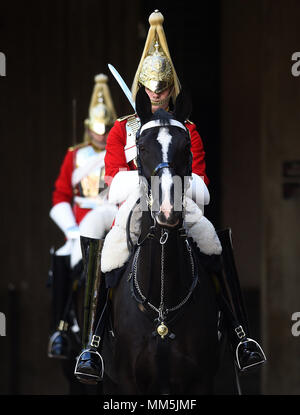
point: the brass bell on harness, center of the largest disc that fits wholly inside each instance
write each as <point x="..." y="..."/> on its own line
<point x="162" y="330"/>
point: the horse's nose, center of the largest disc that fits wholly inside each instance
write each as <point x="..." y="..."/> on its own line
<point x="166" y="208"/>
<point x="166" y="216"/>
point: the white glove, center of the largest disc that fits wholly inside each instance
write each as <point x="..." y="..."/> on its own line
<point x="122" y="185"/>
<point x="62" y="214"/>
<point x="198" y="191"/>
<point x="73" y="232"/>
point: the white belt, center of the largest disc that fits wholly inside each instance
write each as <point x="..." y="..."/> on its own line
<point x="89" y="202"/>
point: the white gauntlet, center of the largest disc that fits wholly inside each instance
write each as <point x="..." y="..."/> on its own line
<point x="63" y="216"/>
<point x="198" y="191"/>
<point x="123" y="185"/>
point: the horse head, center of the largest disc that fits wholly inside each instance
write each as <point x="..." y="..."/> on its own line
<point x="164" y="157"/>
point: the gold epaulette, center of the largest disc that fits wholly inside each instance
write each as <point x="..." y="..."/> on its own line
<point x="80" y="145"/>
<point x="189" y="121"/>
<point x="126" y="117"/>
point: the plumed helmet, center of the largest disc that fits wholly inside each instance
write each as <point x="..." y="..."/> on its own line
<point x="156" y="73"/>
<point x="102" y="114"/>
<point x="156" y="70"/>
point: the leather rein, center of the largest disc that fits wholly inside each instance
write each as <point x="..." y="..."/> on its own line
<point x="165" y="316"/>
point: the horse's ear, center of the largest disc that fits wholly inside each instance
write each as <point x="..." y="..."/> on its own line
<point x="183" y="106"/>
<point x="143" y="105"/>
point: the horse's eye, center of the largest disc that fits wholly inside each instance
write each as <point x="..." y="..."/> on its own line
<point x="142" y="149"/>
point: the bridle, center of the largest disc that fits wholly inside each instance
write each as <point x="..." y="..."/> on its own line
<point x="153" y="124"/>
<point x="161" y="310"/>
<point x="160" y="166"/>
<point x="163" y="165"/>
<point x="161" y="123"/>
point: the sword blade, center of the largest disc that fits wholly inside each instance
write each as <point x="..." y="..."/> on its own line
<point x="122" y="84"/>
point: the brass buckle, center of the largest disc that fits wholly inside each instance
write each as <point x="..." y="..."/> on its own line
<point x="63" y="325"/>
<point x="240" y="332"/>
<point x="95" y="341"/>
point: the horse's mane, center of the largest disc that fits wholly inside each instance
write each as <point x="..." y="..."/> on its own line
<point x="163" y="116"/>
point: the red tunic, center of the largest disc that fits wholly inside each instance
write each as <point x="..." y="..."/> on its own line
<point x="63" y="189"/>
<point x="115" y="155"/>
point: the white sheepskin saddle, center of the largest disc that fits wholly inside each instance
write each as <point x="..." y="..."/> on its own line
<point x="115" y="251"/>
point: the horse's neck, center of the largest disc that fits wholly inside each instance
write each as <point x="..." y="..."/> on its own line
<point x="166" y="265"/>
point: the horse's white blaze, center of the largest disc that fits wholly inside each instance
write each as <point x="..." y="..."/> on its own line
<point x="165" y="139"/>
<point x="166" y="183"/>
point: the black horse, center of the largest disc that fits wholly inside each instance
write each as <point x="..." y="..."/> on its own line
<point x="164" y="309"/>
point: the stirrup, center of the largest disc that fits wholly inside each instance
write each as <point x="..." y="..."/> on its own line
<point x="66" y="353"/>
<point x="259" y="351"/>
<point x="89" y="377"/>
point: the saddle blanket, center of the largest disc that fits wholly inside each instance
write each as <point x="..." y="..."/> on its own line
<point x="115" y="250"/>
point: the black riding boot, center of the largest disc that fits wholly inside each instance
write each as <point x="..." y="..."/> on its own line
<point x="247" y="352"/>
<point x="59" y="343"/>
<point x="89" y="366"/>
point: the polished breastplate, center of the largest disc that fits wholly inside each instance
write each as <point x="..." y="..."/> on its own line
<point x="90" y="163"/>
<point x="132" y="125"/>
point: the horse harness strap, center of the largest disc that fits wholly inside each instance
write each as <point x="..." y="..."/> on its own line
<point x="160" y="166"/>
<point x="158" y="123"/>
<point x="162" y="312"/>
<point x="99" y="330"/>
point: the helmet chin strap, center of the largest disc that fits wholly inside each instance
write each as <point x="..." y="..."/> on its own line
<point x="163" y="101"/>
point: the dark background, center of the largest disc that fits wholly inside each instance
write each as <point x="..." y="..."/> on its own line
<point x="53" y="51"/>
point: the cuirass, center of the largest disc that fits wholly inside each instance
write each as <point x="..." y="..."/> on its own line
<point x="132" y="125"/>
<point x="92" y="181"/>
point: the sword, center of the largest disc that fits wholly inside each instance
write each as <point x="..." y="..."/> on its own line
<point x="122" y="84"/>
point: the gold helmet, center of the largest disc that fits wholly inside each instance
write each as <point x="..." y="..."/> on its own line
<point x="102" y="114"/>
<point x="156" y="70"/>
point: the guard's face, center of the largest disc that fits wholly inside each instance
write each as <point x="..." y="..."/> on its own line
<point x="98" y="139"/>
<point x="160" y="99"/>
